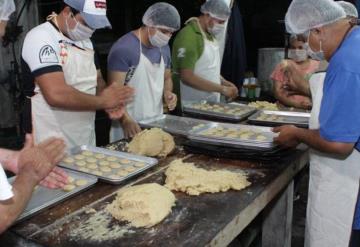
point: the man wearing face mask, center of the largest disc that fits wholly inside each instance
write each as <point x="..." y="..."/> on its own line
<point x="334" y="127"/>
<point x="60" y="56"/>
<point x="299" y="65"/>
<point x="196" y="56"/>
<point x="141" y="59"/>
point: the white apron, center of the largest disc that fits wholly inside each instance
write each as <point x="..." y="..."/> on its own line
<point x="75" y="127"/>
<point x="148" y="81"/>
<point x="208" y="67"/>
<point x="333" y="188"/>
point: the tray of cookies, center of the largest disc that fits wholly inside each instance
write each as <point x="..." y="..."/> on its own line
<point x="235" y="135"/>
<point x="43" y="197"/>
<point x="109" y="166"/>
<point x="231" y="112"/>
<point x="173" y="124"/>
<point x="276" y="118"/>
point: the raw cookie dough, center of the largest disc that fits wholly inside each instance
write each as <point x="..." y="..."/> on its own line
<point x="139" y="164"/>
<point x="97" y="173"/>
<point x="99" y="156"/>
<point x="68" y="160"/>
<point x="92" y="166"/>
<point x="104" y="163"/>
<point x="69" y="187"/>
<point x="87" y="153"/>
<point x="130" y="169"/>
<point x="152" y="142"/>
<point x="79" y="157"/>
<point x="142" y="205"/>
<point x="80" y="163"/>
<point x="83" y="169"/>
<point x="80" y="182"/>
<point x="188" y="178"/>
<point x="91" y="160"/>
<point x="105" y="169"/>
<point x="123" y="173"/>
<point x="115" y="165"/>
<point x="111" y="158"/>
<point x="125" y="161"/>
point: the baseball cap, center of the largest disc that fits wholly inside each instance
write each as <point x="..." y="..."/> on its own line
<point x="93" y="12"/>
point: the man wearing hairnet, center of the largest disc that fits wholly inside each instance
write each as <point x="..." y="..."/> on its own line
<point x="334" y="133"/>
<point x="196" y="56"/>
<point x="141" y="59"/>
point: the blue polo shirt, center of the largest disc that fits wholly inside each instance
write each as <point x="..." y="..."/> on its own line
<point x="340" y="107"/>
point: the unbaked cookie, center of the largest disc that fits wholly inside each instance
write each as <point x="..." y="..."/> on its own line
<point x="92" y="166"/>
<point x="111" y="158"/>
<point x="68" y="160"/>
<point x="83" y="169"/>
<point x="69" y="187"/>
<point x="81" y="182"/>
<point x="125" y="161"/>
<point x="104" y="163"/>
<point x="97" y="173"/>
<point x="123" y="173"/>
<point x="87" y="153"/>
<point x="115" y="165"/>
<point x="105" y="169"/>
<point x="139" y="164"/>
<point x="100" y="156"/>
<point x="79" y="157"/>
<point x="80" y="163"/>
<point x="91" y="160"/>
<point x="130" y="169"/>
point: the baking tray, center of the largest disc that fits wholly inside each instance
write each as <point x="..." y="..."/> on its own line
<point x="189" y="107"/>
<point x="43" y="198"/>
<point x="241" y="140"/>
<point x="118" y="173"/>
<point x="275" y="118"/>
<point x="173" y="124"/>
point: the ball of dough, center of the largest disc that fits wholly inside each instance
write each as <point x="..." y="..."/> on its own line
<point x="125" y="161"/>
<point x="123" y="173"/>
<point x="83" y="169"/>
<point x="111" y="158"/>
<point x="139" y="164"/>
<point x="104" y="163"/>
<point x="81" y="182"/>
<point x="79" y="157"/>
<point x="100" y="156"/>
<point x="130" y="169"/>
<point x="91" y="160"/>
<point x="70" y="180"/>
<point x="97" y="173"/>
<point x="115" y="165"/>
<point x="87" y="153"/>
<point x="80" y="163"/>
<point x="105" y="169"/>
<point x="92" y="166"/>
<point x="69" y="187"/>
<point x="68" y="160"/>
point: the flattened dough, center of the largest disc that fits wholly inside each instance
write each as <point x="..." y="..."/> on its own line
<point x="152" y="142"/>
<point x="81" y="182"/>
<point x="186" y="177"/>
<point x="142" y="205"/>
<point x="68" y="160"/>
<point x="69" y="187"/>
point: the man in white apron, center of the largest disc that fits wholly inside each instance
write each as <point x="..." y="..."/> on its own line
<point x="141" y="59"/>
<point x="61" y="58"/>
<point x="335" y="121"/>
<point x="196" y="56"/>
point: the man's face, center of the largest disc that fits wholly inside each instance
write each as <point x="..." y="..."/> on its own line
<point x="72" y="19"/>
<point x="152" y="31"/>
<point x="213" y="21"/>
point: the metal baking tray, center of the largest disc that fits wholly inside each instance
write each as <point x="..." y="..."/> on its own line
<point x="43" y="198"/>
<point x="189" y="107"/>
<point x="240" y="141"/>
<point x="173" y="124"/>
<point x="275" y="118"/>
<point x="122" y="159"/>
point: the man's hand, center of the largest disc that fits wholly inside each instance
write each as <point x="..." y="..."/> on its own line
<point x="57" y="178"/>
<point x="229" y="92"/>
<point x="116" y="95"/>
<point x="117" y="112"/>
<point x="130" y="127"/>
<point x="170" y="100"/>
<point x="38" y="161"/>
<point x="287" y="136"/>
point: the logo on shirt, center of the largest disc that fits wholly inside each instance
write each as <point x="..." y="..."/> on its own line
<point x="181" y="52"/>
<point x="48" y="55"/>
<point x="100" y="5"/>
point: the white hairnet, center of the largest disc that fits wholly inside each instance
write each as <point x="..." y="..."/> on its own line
<point x="162" y="15"/>
<point x="7" y="7"/>
<point x="304" y="15"/>
<point x="216" y="8"/>
<point x="349" y="8"/>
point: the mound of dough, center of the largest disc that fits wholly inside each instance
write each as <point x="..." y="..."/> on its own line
<point x="152" y="142"/>
<point x="142" y="205"/>
<point x="188" y="178"/>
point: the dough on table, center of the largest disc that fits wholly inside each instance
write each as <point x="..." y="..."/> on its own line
<point x="142" y="205"/>
<point x="104" y="163"/>
<point x="152" y="142"/>
<point x="91" y="160"/>
<point x="115" y="165"/>
<point x="100" y="156"/>
<point x="105" y="169"/>
<point x="69" y="187"/>
<point x="87" y="153"/>
<point x="186" y="177"/>
<point x="79" y="157"/>
<point x="81" y="182"/>
<point x="80" y="163"/>
<point x="68" y="160"/>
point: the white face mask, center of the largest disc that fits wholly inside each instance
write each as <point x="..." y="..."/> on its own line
<point x="318" y="55"/>
<point x="217" y="29"/>
<point x="159" y="39"/>
<point x="80" y="31"/>
<point x="298" y="55"/>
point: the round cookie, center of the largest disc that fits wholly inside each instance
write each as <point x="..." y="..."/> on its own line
<point x="87" y="153"/>
<point x="92" y="166"/>
<point x="100" y="156"/>
<point x="69" y="187"/>
<point x="83" y="169"/>
<point x="79" y="157"/>
<point x="81" y="182"/>
<point x="111" y="158"/>
<point x="70" y="180"/>
<point x="80" y="163"/>
<point x="91" y="160"/>
<point x="130" y="169"/>
<point x="68" y="160"/>
<point x="139" y="164"/>
<point x="115" y="165"/>
<point x="104" y="163"/>
<point x="105" y="169"/>
<point x="97" y="173"/>
<point x="123" y="173"/>
<point x="125" y="161"/>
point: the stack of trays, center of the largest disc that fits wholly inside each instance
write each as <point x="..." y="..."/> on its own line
<point x="276" y="118"/>
<point x="230" y="112"/>
<point x="240" y="136"/>
<point x="173" y="124"/>
<point x="109" y="166"/>
<point x="43" y="198"/>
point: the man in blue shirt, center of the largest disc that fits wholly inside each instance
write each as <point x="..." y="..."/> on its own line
<point x="334" y="138"/>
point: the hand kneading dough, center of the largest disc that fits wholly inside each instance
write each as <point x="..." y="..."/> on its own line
<point x="188" y="178"/>
<point x="142" y="205"/>
<point x="153" y="142"/>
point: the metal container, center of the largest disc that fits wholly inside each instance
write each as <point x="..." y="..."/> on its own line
<point x="276" y="118"/>
<point x="268" y="58"/>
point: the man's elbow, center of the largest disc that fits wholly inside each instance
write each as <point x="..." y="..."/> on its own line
<point x="343" y="149"/>
<point x="6" y="220"/>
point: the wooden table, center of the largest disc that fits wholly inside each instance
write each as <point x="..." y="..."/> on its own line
<point x="208" y="219"/>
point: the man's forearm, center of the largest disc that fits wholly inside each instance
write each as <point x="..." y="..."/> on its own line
<point x="8" y="159"/>
<point x="12" y="208"/>
<point x="199" y="83"/>
<point x="313" y="139"/>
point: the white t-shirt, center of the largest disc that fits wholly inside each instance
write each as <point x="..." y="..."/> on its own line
<point x="43" y="49"/>
<point x="5" y="188"/>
